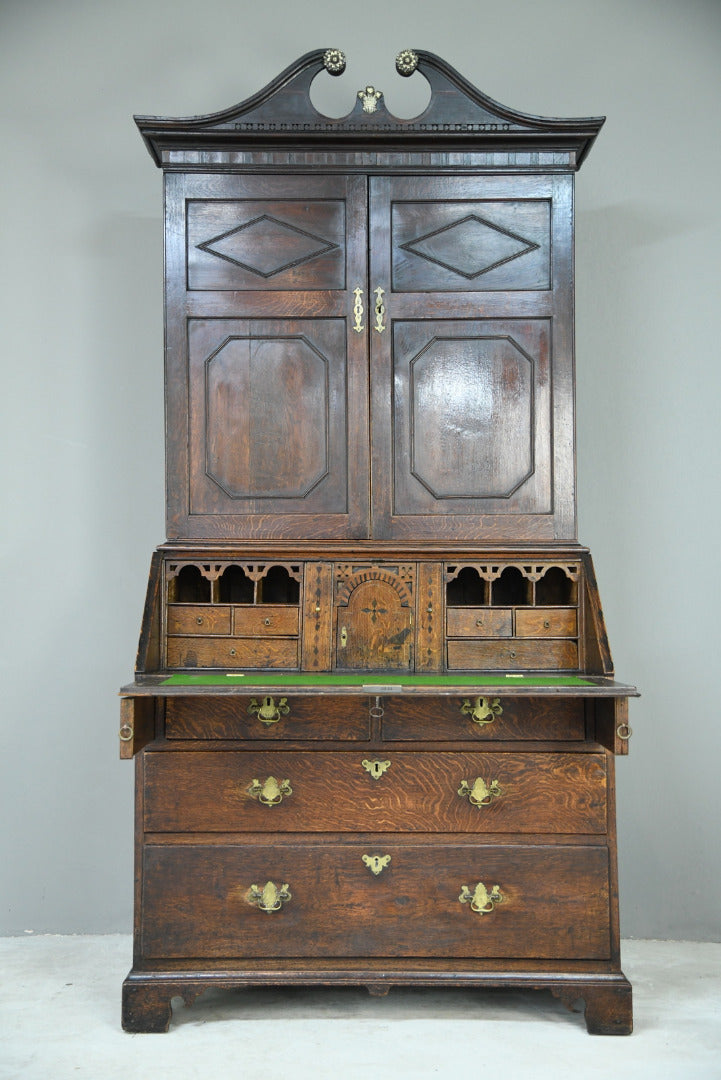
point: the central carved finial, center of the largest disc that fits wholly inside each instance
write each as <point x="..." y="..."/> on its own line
<point x="370" y="97"/>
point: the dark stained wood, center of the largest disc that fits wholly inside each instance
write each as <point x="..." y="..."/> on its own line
<point x="334" y="792"/>
<point x="232" y="718"/>
<point x="196" y="901"/>
<point x="443" y="719"/>
<point x="370" y="468"/>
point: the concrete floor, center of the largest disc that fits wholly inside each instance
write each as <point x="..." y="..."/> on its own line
<point x="60" y="1020"/>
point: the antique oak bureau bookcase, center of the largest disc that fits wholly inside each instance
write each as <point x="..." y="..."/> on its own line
<point x="374" y="715"/>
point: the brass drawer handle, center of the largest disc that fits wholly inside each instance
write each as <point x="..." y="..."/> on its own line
<point x="376" y="863"/>
<point x="126" y="733"/>
<point x="270" y="898"/>
<point x="267" y="711"/>
<point x="479" y="793"/>
<point x="481" y="900"/>
<point x="271" y="792"/>
<point x="482" y="710"/>
<point x="375" y="768"/>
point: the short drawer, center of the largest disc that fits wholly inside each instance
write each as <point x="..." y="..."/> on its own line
<point x="485" y="719"/>
<point x="265" y="620"/>
<point x="512" y="655"/>
<point x="208" y="792"/>
<point x="546" y="622"/>
<point x="229" y="652"/>
<point x="479" y="622"/>
<point x="324" y="900"/>
<point x="284" y="718"/>
<point x="198" y="619"/>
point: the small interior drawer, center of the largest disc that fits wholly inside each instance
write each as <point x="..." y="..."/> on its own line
<point x="198" y="619"/>
<point x="479" y="622"/>
<point x="228" y="652"/>
<point x="546" y="622"/>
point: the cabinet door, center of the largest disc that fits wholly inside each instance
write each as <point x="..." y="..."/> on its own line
<point x="267" y="383"/>
<point x="475" y="438"/>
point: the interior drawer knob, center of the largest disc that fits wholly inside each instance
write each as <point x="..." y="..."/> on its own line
<point x="270" y="898"/>
<point x="482" y="710"/>
<point x="271" y="792"/>
<point x="481" y="900"/>
<point x="479" y="793"/>
<point x="267" y="711"/>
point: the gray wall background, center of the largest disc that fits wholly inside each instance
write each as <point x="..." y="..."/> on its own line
<point x="81" y="392"/>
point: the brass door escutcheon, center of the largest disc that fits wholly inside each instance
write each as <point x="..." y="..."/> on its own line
<point x="379" y="310"/>
<point x="479" y="793"/>
<point x="270" y="898"/>
<point x="268" y="712"/>
<point x="375" y="768"/>
<point x="271" y="792"/>
<point x="343" y="637"/>
<point x="358" y="311"/>
<point x="481" y="900"/>
<point x="376" y="863"/>
<point x="482" y="710"/>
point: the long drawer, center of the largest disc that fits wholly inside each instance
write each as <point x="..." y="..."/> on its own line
<point x="278" y="718"/>
<point x="345" y="791"/>
<point x="512" y="655"/>
<point x="483" y="718"/>
<point x="324" y="900"/>
<point x="232" y="652"/>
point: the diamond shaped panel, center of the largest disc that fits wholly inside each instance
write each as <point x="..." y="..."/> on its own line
<point x="267" y="246"/>
<point x="470" y="247"/>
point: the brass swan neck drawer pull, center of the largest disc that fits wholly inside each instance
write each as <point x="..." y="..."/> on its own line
<point x="376" y="863"/>
<point x="375" y="768"/>
<point x="270" y="898"/>
<point x="267" y="711"/>
<point x="482" y="710"/>
<point x="479" y="793"/>
<point x="271" y="792"/>
<point x="481" y="900"/>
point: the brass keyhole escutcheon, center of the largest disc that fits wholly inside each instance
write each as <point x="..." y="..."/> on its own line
<point x="271" y="792"/>
<point x="481" y="900"/>
<point x="379" y="310"/>
<point x="270" y="898"/>
<point x="482" y="710"/>
<point x="479" y="793"/>
<point x="375" y="768"/>
<point x="376" y="863"/>
<point x="343" y="637"/>
<point x="267" y="711"/>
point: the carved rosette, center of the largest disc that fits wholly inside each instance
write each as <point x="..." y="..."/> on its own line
<point x="334" y="61"/>
<point x="406" y="62"/>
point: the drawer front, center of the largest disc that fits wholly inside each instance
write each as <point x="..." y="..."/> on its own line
<point x="512" y="655"/>
<point x="479" y="622"/>
<point x="546" y="622"/>
<point x="238" y="718"/>
<point x="198" y="619"/>
<point x="452" y="719"/>
<point x="265" y="620"/>
<point x="335" y="792"/>
<point x="198" y="900"/>
<point x="189" y="652"/>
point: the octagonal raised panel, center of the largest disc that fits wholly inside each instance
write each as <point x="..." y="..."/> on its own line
<point x="472" y="417"/>
<point x="266" y="417"/>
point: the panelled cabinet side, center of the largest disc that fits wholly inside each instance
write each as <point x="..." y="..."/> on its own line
<point x="372" y="656"/>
